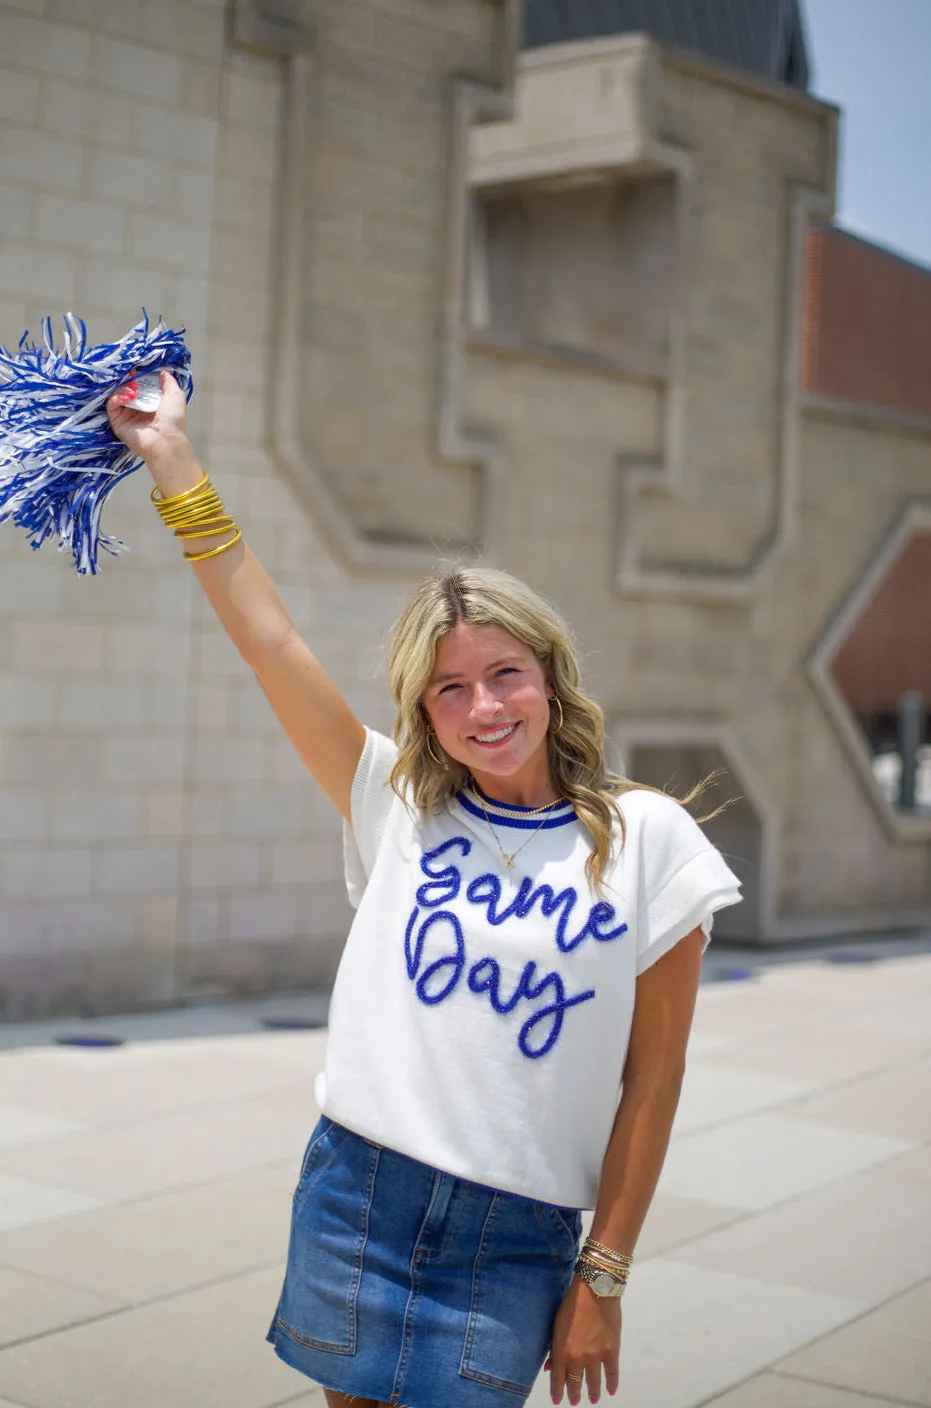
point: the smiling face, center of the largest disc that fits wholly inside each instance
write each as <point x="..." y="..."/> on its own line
<point x="488" y="702"/>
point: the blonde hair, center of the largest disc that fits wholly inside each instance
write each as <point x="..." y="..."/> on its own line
<point x="482" y="596"/>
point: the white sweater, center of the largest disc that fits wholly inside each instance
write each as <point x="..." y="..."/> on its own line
<point x="481" y="1013"/>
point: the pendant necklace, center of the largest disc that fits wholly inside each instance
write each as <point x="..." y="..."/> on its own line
<point x="509" y="857"/>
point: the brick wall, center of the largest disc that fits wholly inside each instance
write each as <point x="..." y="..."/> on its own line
<point x="867" y="329"/>
<point x="888" y="652"/>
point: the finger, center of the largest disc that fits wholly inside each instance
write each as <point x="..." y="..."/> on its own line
<point x="593" y="1374"/>
<point x="170" y="388"/>
<point x="575" y="1382"/>
<point x="557" y="1378"/>
<point x="116" y="405"/>
<point x="174" y="399"/>
<point x="612" y="1373"/>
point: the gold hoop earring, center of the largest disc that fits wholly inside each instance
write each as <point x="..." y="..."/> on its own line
<point x="558" y="702"/>
<point x="439" y="761"/>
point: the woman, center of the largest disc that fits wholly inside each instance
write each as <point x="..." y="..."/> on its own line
<point x="527" y="943"/>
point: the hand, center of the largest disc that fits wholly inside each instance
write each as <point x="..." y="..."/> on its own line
<point x="158" y="434"/>
<point x="586" y="1339"/>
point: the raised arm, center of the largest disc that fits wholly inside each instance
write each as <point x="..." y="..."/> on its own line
<point x="313" y="713"/>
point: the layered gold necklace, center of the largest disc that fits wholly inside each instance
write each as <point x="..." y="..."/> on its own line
<point x="513" y="814"/>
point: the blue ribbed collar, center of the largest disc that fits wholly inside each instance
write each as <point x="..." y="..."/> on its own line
<point x="523" y="818"/>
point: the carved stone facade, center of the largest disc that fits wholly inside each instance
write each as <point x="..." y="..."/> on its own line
<point x="540" y="312"/>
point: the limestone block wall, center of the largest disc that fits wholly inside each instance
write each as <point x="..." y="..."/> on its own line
<point x="108" y="165"/>
<point x="157" y="837"/>
<point x="309" y="221"/>
<point x="375" y="179"/>
<point x="712" y="520"/>
<point x="858" y="475"/>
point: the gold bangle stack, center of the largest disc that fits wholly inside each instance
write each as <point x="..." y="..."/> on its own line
<point x="603" y="1258"/>
<point x="197" y="513"/>
<point x="620" y="1258"/>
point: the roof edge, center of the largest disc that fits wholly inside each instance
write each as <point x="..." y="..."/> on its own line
<point x="753" y="84"/>
<point x="833" y="227"/>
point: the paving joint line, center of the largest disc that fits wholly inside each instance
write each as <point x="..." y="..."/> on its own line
<point x="844" y="1388"/>
<point x="751" y="1213"/>
<point x="854" y="1320"/>
<point x="134" y="1200"/>
<point x="144" y="1304"/>
<point x="772" y="1366"/>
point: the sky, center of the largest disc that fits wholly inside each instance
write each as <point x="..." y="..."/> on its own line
<point x="872" y="57"/>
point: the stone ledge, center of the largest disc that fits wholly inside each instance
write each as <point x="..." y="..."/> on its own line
<point x="103" y="981"/>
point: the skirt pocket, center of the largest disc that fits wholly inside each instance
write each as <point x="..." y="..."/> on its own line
<point x="522" y="1271"/>
<point x="329" y="1227"/>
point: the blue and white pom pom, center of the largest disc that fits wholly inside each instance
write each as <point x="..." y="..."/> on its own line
<point x="59" y="458"/>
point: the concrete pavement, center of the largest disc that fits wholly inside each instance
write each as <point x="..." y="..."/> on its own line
<point x="145" y="1188"/>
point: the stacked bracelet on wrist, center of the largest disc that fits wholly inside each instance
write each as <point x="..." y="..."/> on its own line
<point x="603" y="1269"/>
<point x="197" y="513"/>
<point x="618" y="1261"/>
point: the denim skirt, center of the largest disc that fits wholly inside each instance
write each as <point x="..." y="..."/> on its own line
<point x="410" y="1286"/>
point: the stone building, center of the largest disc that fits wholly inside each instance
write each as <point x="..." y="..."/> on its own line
<point x="548" y="308"/>
<point x="765" y="37"/>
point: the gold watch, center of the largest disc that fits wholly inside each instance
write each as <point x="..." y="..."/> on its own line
<point x="600" y="1282"/>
